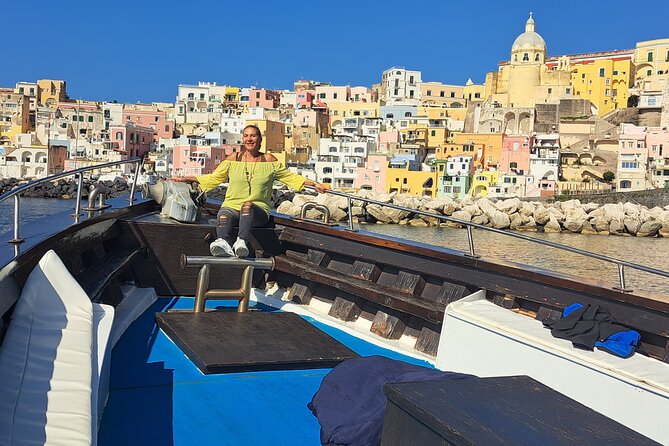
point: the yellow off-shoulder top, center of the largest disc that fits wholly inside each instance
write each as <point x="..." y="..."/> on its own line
<point x="250" y="181"/>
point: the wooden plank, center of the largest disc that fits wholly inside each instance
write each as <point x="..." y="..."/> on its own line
<point x="218" y="341"/>
<point x="358" y="240"/>
<point x="387" y="297"/>
<point x="632" y="311"/>
<point x="96" y="276"/>
<point x="428" y="341"/>
<point x="450" y="292"/>
<point x="409" y="283"/>
<point x="495" y="411"/>
<point x="387" y="326"/>
<point x="299" y="294"/>
<point x="319" y="258"/>
<point x="365" y="270"/>
<point x="347" y="310"/>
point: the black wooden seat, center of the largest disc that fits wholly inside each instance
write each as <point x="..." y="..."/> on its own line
<point x="97" y="276"/>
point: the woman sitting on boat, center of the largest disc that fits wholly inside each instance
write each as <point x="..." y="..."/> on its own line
<point x="250" y="175"/>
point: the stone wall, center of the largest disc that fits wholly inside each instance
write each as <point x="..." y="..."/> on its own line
<point x="648" y="198"/>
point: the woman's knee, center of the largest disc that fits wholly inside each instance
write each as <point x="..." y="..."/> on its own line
<point x="247" y="207"/>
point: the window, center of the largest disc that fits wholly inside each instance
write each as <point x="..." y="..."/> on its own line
<point x="81" y="119"/>
<point x="602" y="72"/>
<point x="433" y="133"/>
<point x="404" y="181"/>
<point x="90" y="119"/>
<point x="167" y="128"/>
<point x="567" y="90"/>
<point x="119" y="136"/>
<point x="550" y="90"/>
<point x="629" y="165"/>
<point x="615" y="72"/>
<point x="649" y="72"/>
<point x="583" y="76"/>
<point x="428" y="93"/>
<point x="191" y="96"/>
<point x="537" y="58"/>
<point x="452" y="94"/>
<point x="202" y="96"/>
<point x="513" y="165"/>
<point x="407" y="114"/>
<point x="477" y="95"/>
<point x="411" y="93"/>
<point x="334" y="95"/>
<point x="650" y="56"/>
<point x="526" y="57"/>
<point x="411" y="78"/>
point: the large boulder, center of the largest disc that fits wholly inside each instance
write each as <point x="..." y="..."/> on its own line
<point x="499" y="220"/>
<point x="553" y="225"/>
<point x="632" y="224"/>
<point x="541" y="215"/>
<point x="586" y="228"/>
<point x="508" y="206"/>
<point x="649" y="228"/>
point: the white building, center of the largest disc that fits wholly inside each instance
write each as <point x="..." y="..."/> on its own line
<point x="545" y="157"/>
<point x="339" y="158"/>
<point x="401" y="86"/>
<point x="200" y="104"/>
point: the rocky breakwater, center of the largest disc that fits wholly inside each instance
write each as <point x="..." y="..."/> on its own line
<point x="66" y="188"/>
<point x="622" y="219"/>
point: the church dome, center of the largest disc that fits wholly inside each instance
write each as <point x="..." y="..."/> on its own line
<point x="529" y="39"/>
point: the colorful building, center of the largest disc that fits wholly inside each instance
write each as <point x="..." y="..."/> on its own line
<point x="515" y="156"/>
<point x="372" y="176"/>
<point x="483" y="181"/>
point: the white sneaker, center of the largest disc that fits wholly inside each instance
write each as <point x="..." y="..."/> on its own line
<point x="240" y="248"/>
<point x="221" y="248"/>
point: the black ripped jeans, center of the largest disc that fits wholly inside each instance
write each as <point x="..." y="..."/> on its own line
<point x="251" y="216"/>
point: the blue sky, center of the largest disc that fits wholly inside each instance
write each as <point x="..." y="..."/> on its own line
<point x="141" y="50"/>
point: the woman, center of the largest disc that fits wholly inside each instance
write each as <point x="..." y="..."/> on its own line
<point x="250" y="174"/>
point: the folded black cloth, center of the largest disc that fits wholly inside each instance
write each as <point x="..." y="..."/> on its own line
<point x="350" y="403"/>
<point x="587" y="326"/>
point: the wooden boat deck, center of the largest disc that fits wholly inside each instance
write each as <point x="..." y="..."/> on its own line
<point x="158" y="396"/>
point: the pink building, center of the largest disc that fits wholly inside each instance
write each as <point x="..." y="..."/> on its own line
<point x="333" y="94"/>
<point x="264" y="98"/>
<point x="516" y="154"/>
<point x="305" y="98"/>
<point x="189" y="160"/>
<point x="131" y="140"/>
<point x="388" y="141"/>
<point x="307" y="118"/>
<point x="657" y="141"/>
<point x="373" y="175"/>
<point x="155" y="120"/>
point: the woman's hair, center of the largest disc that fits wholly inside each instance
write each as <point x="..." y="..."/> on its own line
<point x="257" y="129"/>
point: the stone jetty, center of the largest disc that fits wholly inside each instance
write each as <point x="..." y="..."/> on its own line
<point x="66" y="188"/>
<point x="622" y="219"/>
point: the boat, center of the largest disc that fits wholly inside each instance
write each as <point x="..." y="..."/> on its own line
<point x="118" y="327"/>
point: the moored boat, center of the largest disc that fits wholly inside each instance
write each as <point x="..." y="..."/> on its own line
<point x="375" y="295"/>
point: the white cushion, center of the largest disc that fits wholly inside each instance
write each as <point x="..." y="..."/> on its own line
<point x="483" y="339"/>
<point x="103" y="316"/>
<point x="46" y="361"/>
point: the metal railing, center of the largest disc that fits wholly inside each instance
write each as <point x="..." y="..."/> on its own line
<point x="621" y="264"/>
<point x="79" y="173"/>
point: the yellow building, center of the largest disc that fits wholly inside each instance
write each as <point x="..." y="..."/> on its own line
<point x="482" y="182"/>
<point x="231" y="96"/>
<point x="603" y="78"/>
<point x="526" y="80"/>
<point x="14" y="115"/>
<point x="415" y="182"/>
<point x="51" y="92"/>
<point x="474" y="92"/>
<point x="452" y="149"/>
<point x="438" y="94"/>
<point x="341" y="110"/>
<point x="272" y="134"/>
<point x="651" y="57"/>
<point x="488" y="147"/>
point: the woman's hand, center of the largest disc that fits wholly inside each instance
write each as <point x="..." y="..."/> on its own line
<point x="320" y="188"/>
<point x="183" y="179"/>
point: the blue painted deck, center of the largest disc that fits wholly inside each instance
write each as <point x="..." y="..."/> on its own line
<point x="158" y="397"/>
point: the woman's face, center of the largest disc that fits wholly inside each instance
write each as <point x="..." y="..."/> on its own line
<point x="251" y="139"/>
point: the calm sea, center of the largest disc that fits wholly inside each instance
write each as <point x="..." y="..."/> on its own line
<point x="651" y="252"/>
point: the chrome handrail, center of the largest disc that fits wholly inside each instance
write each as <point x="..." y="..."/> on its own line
<point x="80" y="181"/>
<point x="621" y="264"/>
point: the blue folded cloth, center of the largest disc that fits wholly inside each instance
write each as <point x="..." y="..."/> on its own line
<point x="620" y="344"/>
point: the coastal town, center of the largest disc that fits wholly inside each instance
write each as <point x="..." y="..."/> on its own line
<point x="541" y="125"/>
